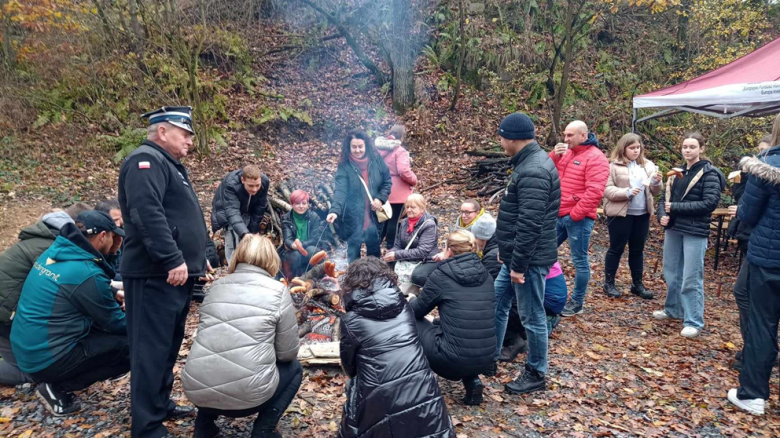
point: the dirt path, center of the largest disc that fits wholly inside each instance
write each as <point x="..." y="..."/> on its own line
<point x="18" y="214"/>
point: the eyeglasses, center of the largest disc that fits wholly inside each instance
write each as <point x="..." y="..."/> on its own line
<point x="467" y="212"/>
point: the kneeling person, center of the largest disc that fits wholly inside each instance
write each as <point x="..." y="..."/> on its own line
<point x="69" y="331"/>
<point x="303" y="233"/>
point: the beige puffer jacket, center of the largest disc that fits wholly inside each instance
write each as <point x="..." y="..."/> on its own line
<point x="247" y="323"/>
<point x="615" y="196"/>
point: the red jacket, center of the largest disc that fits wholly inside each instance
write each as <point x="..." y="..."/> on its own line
<point x="584" y="171"/>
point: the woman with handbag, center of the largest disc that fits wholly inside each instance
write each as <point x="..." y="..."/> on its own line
<point x="462" y="345"/>
<point x="415" y="242"/>
<point x="359" y="202"/>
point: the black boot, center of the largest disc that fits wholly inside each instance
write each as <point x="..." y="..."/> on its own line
<point x="530" y="381"/>
<point x="638" y="288"/>
<point x="205" y="427"/>
<point x="492" y="370"/>
<point x="609" y="286"/>
<point x="265" y="424"/>
<point x="736" y="364"/>
<point x="510" y="352"/>
<point x="474" y="389"/>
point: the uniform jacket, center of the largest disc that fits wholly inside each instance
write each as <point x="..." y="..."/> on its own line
<point x="425" y="245"/>
<point x="316" y="228"/>
<point x="615" y="194"/>
<point x="526" y="223"/>
<point x="17" y="261"/>
<point x="583" y="171"/>
<point x="760" y="207"/>
<point x="694" y="198"/>
<point x="247" y="323"/>
<point x="462" y="290"/>
<point x="164" y="223"/>
<point x="392" y="392"/>
<point x="231" y="202"/>
<point x="397" y="160"/>
<point x="67" y="292"/>
<point x="349" y="199"/>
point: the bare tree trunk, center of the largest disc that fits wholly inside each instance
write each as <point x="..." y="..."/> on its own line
<point x="138" y="36"/>
<point x="104" y="20"/>
<point x="461" y="55"/>
<point x="561" y="93"/>
<point x="403" y="55"/>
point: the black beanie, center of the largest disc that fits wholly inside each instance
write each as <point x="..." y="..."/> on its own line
<point x="517" y="126"/>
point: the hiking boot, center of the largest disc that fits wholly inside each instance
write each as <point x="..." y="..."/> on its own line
<point x="661" y="315"/>
<point x="474" y="389"/>
<point x="59" y="403"/>
<point x="754" y="406"/>
<point x="530" y="381"/>
<point x="609" y="286"/>
<point x="638" y="288"/>
<point x="510" y="352"/>
<point x="572" y="308"/>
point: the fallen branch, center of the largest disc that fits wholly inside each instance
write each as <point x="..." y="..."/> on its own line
<point x="486" y="153"/>
<point x="300" y="46"/>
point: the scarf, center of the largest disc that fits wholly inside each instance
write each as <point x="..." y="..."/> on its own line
<point x="301" y="226"/>
<point x="413" y="223"/>
<point x="362" y="166"/>
<point x="460" y="219"/>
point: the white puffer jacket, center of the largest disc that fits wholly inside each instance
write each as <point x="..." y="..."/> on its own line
<point x="247" y="323"/>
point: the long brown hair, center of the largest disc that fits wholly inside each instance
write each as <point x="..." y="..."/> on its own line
<point x="619" y="152"/>
<point x="776" y="132"/>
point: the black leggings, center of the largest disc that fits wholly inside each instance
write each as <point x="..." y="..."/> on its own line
<point x="632" y="230"/>
<point x="391" y="226"/>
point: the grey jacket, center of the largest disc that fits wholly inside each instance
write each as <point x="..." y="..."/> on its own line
<point x="247" y="323"/>
<point x="424" y="246"/>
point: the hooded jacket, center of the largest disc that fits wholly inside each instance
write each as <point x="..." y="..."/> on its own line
<point x="694" y="198"/>
<point x="231" y="202"/>
<point x="350" y="198"/>
<point x="424" y="246"/>
<point x="17" y="261"/>
<point x="462" y="290"/>
<point x="392" y="392"/>
<point x="760" y="207"/>
<point x="397" y="160"/>
<point x="67" y="293"/>
<point x="247" y="323"/>
<point x="527" y="215"/>
<point x="583" y="170"/>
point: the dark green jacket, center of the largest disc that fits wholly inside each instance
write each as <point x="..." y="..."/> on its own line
<point x="66" y="294"/>
<point x="17" y="261"/>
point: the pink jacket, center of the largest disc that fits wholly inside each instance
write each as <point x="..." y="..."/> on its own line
<point x="397" y="160"/>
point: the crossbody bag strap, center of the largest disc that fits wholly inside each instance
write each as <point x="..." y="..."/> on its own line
<point x="414" y="236"/>
<point x="368" y="192"/>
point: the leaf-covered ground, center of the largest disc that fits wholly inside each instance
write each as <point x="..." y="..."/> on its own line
<point x="614" y="371"/>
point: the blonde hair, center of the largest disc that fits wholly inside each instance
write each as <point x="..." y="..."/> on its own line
<point x="775" y="133"/>
<point x="461" y="242"/>
<point x="619" y="153"/>
<point x="258" y="251"/>
<point x="416" y="199"/>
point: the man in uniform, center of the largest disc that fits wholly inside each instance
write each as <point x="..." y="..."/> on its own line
<point x="164" y="254"/>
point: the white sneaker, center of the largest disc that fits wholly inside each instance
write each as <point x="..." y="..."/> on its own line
<point x="689" y="332"/>
<point x="661" y="315"/>
<point x="754" y="406"/>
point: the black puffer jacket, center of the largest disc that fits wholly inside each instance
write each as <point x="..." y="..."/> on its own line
<point x="424" y="246"/>
<point x="490" y="257"/>
<point x="526" y="224"/>
<point x="393" y="392"/>
<point x="694" y="198"/>
<point x="738" y="229"/>
<point x="349" y="199"/>
<point x="316" y="230"/>
<point x="232" y="201"/>
<point x="463" y="291"/>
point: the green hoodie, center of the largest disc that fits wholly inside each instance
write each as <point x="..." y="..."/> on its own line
<point x="67" y="291"/>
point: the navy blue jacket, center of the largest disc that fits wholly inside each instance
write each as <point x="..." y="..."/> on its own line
<point x="760" y="207"/>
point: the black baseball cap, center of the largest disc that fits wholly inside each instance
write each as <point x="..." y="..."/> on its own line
<point x="96" y="221"/>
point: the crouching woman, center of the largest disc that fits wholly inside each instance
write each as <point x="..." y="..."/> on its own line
<point x="392" y="390"/>
<point x="462" y="345"/>
<point x="243" y="360"/>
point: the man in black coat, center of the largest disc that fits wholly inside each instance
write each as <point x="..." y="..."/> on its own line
<point x="527" y="244"/>
<point x="164" y="253"/>
<point x="239" y="205"/>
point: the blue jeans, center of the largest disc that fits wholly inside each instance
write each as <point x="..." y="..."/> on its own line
<point x="684" y="275"/>
<point x="530" y="306"/>
<point x="578" y="234"/>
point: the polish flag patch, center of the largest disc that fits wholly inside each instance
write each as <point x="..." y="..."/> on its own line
<point x="144" y="165"/>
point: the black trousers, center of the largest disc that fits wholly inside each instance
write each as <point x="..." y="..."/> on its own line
<point x="270" y="412"/>
<point x="422" y="272"/>
<point x="99" y="356"/>
<point x="742" y="297"/>
<point x="632" y="230"/>
<point x="371" y="237"/>
<point x="156" y="315"/>
<point x="760" y="351"/>
<point x="391" y="226"/>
